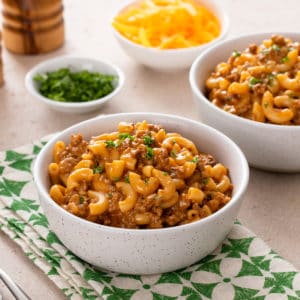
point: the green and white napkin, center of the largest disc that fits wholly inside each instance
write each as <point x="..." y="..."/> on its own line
<point x="242" y="268"/>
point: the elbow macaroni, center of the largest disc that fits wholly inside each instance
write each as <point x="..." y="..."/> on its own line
<point x="138" y="177"/>
<point x="261" y="83"/>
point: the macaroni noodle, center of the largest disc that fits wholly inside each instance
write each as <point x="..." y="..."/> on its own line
<point x="261" y="83"/>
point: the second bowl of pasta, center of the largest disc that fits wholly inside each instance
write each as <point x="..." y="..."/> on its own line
<point x="248" y="88"/>
<point x="164" y="189"/>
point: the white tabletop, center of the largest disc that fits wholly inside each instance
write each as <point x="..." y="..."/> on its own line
<point x="271" y="207"/>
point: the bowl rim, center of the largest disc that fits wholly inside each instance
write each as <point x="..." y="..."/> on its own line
<point x="44" y="195"/>
<point x="225" y="24"/>
<point x="64" y="60"/>
<point x="196" y="65"/>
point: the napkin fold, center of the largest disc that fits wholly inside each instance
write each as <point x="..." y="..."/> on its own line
<point x="243" y="267"/>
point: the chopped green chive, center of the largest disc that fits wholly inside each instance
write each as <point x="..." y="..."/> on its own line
<point x="127" y="179"/>
<point x="285" y="59"/>
<point x="81" y="200"/>
<point x="265" y="51"/>
<point x="173" y="154"/>
<point x="66" y="86"/>
<point x="254" y="81"/>
<point x="275" y="47"/>
<point x="236" y="53"/>
<point x="124" y="136"/>
<point x="195" y="159"/>
<point x="98" y="170"/>
<point x="148" y="140"/>
<point x="110" y="144"/>
<point x="166" y="173"/>
<point x="205" y="180"/>
<point x="271" y="79"/>
<point x="149" y="153"/>
<point x="266" y="105"/>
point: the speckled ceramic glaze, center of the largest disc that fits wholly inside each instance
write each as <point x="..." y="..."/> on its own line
<point x="266" y="146"/>
<point x="145" y="251"/>
<point x="172" y="59"/>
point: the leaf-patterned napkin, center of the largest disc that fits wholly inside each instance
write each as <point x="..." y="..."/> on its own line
<point x="242" y="268"/>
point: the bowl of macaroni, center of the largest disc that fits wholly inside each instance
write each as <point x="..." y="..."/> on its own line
<point x="169" y="35"/>
<point x="164" y="189"/>
<point x="248" y="88"/>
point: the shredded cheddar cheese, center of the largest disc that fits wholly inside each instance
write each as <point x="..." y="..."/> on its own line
<point x="167" y="24"/>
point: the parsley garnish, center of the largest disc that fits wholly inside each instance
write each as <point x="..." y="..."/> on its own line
<point x="81" y="200"/>
<point x="98" y="170"/>
<point x="110" y="144"/>
<point x="276" y="47"/>
<point x="173" y="154"/>
<point x="266" y="105"/>
<point x="127" y="179"/>
<point x="236" y="53"/>
<point x="124" y="136"/>
<point x="109" y="195"/>
<point x="66" y="86"/>
<point x="146" y="180"/>
<point x="271" y="79"/>
<point x="205" y="180"/>
<point x="149" y="153"/>
<point x="254" y="81"/>
<point x="285" y="59"/>
<point x="148" y="140"/>
<point x="165" y="173"/>
<point x="265" y="51"/>
<point x="195" y="159"/>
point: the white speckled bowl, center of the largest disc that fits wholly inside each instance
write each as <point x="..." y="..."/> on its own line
<point x="172" y="59"/>
<point x="266" y="146"/>
<point x="145" y="251"/>
<point x="75" y="64"/>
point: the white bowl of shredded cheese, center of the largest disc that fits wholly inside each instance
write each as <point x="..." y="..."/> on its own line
<point x="171" y="59"/>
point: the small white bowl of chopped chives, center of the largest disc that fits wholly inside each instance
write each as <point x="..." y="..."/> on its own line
<point x="74" y="84"/>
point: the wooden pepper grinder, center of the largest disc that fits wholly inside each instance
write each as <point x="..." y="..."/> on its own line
<point x="32" y="26"/>
<point x="1" y="65"/>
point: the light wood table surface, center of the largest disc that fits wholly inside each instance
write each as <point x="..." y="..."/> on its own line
<point x="272" y="204"/>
